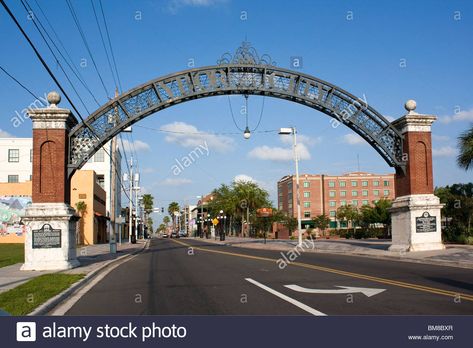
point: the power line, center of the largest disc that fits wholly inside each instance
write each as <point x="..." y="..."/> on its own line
<point x="28" y="9"/>
<point x="81" y="32"/>
<point x="111" y="47"/>
<point x="45" y="65"/>
<point x="69" y="63"/>
<point x="19" y="83"/>
<point x="103" y="43"/>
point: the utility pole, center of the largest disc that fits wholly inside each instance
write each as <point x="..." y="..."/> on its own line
<point x="130" y="217"/>
<point x="136" y="188"/>
<point x="113" y="193"/>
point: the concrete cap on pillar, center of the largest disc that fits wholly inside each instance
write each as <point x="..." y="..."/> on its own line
<point x="410" y="106"/>
<point x="53" y="99"/>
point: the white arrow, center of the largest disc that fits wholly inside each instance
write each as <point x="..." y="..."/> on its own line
<point x="344" y="290"/>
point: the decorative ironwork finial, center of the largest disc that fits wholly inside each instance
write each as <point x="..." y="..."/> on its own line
<point x="246" y="55"/>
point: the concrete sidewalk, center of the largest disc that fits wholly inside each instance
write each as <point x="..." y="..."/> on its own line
<point x="91" y="258"/>
<point x="456" y="255"/>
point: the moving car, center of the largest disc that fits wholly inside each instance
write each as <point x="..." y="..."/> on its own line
<point x="165" y="235"/>
<point x="174" y="235"/>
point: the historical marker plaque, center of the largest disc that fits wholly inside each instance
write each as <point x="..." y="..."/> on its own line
<point x="426" y="223"/>
<point x="46" y="238"/>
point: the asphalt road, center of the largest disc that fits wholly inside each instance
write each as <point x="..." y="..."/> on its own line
<point x="190" y="277"/>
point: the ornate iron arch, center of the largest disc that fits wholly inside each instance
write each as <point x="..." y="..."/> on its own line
<point x="243" y="73"/>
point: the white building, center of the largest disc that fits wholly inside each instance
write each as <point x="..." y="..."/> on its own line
<point x="16" y="165"/>
<point x="16" y="159"/>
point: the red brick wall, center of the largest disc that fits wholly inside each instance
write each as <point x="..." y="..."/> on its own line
<point x="50" y="184"/>
<point x="418" y="178"/>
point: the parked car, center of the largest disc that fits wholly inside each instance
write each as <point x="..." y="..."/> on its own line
<point x="165" y="235"/>
<point x="174" y="235"/>
<point x="182" y="233"/>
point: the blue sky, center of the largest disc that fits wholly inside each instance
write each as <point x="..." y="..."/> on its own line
<point x="387" y="51"/>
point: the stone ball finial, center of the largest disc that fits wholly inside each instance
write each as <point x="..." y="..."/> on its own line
<point x="410" y="105"/>
<point x="54" y="98"/>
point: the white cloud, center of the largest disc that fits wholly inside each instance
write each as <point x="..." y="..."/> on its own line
<point x="138" y="144"/>
<point x="187" y="135"/>
<point x="176" y="182"/>
<point x="301" y="139"/>
<point x="4" y="134"/>
<point x="464" y="115"/>
<point x="279" y="153"/>
<point x="444" y="151"/>
<point x="243" y="177"/>
<point x="175" y="5"/>
<point x="440" y="137"/>
<point x="353" y="139"/>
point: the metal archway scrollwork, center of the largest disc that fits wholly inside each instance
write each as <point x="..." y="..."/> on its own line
<point x="245" y="73"/>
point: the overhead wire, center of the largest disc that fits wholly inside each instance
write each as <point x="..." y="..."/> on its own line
<point x="20" y="84"/>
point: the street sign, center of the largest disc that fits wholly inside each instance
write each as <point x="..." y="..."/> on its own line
<point x="215" y="221"/>
<point x="426" y="223"/>
<point x="46" y="237"/>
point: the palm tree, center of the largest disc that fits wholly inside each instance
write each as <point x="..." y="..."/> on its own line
<point x="148" y="209"/>
<point x="172" y="208"/>
<point x="81" y="208"/>
<point x="465" y="143"/>
<point x="166" y="220"/>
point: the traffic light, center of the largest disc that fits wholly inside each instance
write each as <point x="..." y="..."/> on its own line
<point x="162" y="210"/>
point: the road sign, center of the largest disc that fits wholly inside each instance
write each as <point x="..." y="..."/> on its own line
<point x="215" y="221"/>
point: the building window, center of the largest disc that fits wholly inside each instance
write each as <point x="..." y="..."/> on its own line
<point x="376" y="192"/>
<point x="280" y="206"/>
<point x="376" y="183"/>
<point x="331" y="184"/>
<point x="342" y="203"/>
<point x="333" y="213"/>
<point x="307" y="214"/>
<point x="331" y="194"/>
<point x="12" y="178"/>
<point x="354" y="193"/>
<point x="354" y="203"/>
<point x="101" y="180"/>
<point x="306" y="184"/>
<point x="364" y="183"/>
<point x="386" y="192"/>
<point x="31" y="155"/>
<point x="354" y="183"/>
<point x="342" y="183"/>
<point x="31" y="177"/>
<point x="13" y="155"/>
<point x="386" y="183"/>
<point x="365" y="202"/>
<point x="332" y="203"/>
<point x="343" y="193"/>
<point x="99" y="156"/>
<point x="364" y="193"/>
<point x="306" y="204"/>
<point x="306" y="194"/>
<point x="333" y="224"/>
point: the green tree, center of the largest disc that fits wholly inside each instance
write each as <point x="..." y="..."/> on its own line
<point x="172" y="208"/>
<point x="349" y="214"/>
<point x="166" y="220"/>
<point x="148" y="204"/>
<point x="322" y="222"/>
<point x="465" y="144"/>
<point x="291" y="224"/>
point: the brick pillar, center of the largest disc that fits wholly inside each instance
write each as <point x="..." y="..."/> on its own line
<point x="51" y="127"/>
<point x="50" y="242"/>
<point x="415" y="203"/>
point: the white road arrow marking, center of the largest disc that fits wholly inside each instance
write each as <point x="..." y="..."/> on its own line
<point x="344" y="290"/>
<point x="296" y="303"/>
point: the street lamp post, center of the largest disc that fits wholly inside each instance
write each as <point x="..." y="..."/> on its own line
<point x="201" y="215"/>
<point x="288" y="131"/>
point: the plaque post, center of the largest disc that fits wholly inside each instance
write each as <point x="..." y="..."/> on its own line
<point x="50" y="242"/>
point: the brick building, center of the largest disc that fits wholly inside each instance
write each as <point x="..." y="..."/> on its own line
<point x="324" y="194"/>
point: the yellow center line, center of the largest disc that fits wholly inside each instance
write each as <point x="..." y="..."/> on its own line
<point x="437" y="291"/>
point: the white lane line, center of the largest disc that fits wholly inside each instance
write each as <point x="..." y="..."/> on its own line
<point x="287" y="298"/>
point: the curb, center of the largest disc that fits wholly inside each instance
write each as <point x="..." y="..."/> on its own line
<point x="458" y="264"/>
<point x="50" y="304"/>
